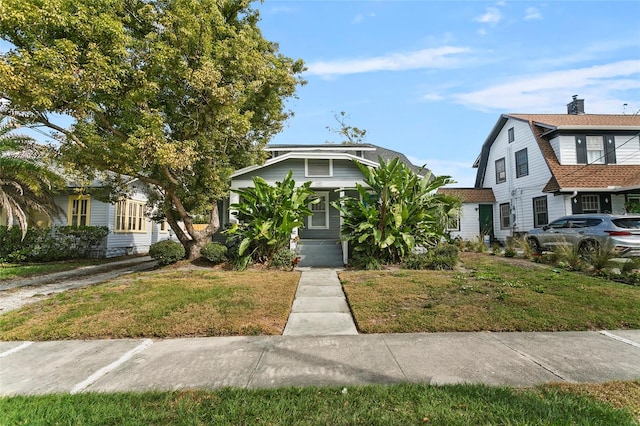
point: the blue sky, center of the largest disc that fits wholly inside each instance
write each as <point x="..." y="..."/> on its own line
<point x="431" y="78"/>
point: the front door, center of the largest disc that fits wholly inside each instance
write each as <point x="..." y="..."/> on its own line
<point x="485" y="212"/>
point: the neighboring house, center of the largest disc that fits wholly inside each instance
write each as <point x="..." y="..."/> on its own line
<point x="130" y="230"/>
<point x="543" y="166"/>
<point x="332" y="170"/>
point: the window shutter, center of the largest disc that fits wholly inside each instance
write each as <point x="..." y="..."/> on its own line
<point x="610" y="149"/>
<point x="581" y="149"/>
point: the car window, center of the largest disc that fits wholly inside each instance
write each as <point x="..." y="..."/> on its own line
<point x="627" y="223"/>
<point x="577" y="223"/>
<point x="561" y="223"/>
<point x="593" y="222"/>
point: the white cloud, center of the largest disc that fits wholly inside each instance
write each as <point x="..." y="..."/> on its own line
<point x="441" y="57"/>
<point x="532" y="13"/>
<point x="359" y="18"/>
<point x="462" y="172"/>
<point x="433" y="97"/>
<point x="492" y="16"/>
<point x="547" y="92"/>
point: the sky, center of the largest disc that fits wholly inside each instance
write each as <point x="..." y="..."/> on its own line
<point x="431" y="78"/>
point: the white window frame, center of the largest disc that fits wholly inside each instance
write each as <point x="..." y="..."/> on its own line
<point x="455" y="221"/>
<point x="129" y="216"/>
<point x="591" y="203"/>
<point x="598" y="154"/>
<point x="501" y="175"/>
<point x="310" y="225"/>
<point x="306" y="167"/>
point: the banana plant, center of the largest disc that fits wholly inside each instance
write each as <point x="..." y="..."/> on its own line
<point x="395" y="210"/>
<point x="266" y="216"/>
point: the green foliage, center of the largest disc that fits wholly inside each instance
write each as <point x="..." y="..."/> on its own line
<point x="26" y="184"/>
<point x="266" y="216"/>
<point x="442" y="256"/>
<point x="283" y="258"/>
<point x="394" y="211"/>
<point x="167" y="252"/>
<point x="50" y="244"/>
<point x="214" y="252"/>
<point x="178" y="94"/>
<point x="349" y="134"/>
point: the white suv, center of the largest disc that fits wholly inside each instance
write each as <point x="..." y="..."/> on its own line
<point x="590" y="232"/>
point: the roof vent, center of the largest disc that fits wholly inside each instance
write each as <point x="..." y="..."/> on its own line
<point x="576" y="106"/>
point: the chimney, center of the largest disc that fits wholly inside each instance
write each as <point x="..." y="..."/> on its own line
<point x="576" y="106"/>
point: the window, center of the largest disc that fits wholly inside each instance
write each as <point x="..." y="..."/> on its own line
<point x="453" y="221"/>
<point x="595" y="150"/>
<point x="590" y="204"/>
<point x="512" y="135"/>
<point x="505" y="220"/>
<point x="540" y="213"/>
<point x="130" y="216"/>
<point x="501" y="172"/>
<point x="318" y="168"/>
<point x="320" y="217"/>
<point x="522" y="163"/>
<point x="164" y="226"/>
<point x="78" y="213"/>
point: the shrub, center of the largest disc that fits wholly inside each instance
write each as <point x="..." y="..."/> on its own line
<point x="214" y="252"/>
<point x="166" y="252"/>
<point x="50" y="244"/>
<point x="283" y="258"/>
<point x="443" y="256"/>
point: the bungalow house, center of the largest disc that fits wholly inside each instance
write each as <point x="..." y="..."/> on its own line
<point x="332" y="170"/>
<point x="538" y="167"/>
<point x="130" y="230"/>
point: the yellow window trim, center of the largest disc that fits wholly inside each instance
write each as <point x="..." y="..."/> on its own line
<point x="73" y="198"/>
<point x="126" y="216"/>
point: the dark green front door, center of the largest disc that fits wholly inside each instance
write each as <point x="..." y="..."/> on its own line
<point x="486" y="219"/>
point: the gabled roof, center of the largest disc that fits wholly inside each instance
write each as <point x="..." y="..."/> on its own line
<point x="364" y="153"/>
<point x="568" y="178"/>
<point x="470" y="195"/>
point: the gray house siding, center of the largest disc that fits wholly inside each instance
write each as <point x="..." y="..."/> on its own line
<point x="343" y="170"/>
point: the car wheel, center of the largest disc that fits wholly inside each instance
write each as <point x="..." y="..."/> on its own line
<point x="587" y="249"/>
<point x="535" y="245"/>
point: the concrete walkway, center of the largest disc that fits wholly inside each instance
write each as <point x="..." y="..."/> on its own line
<point x="512" y="359"/>
<point x="320" y="347"/>
<point x="320" y="307"/>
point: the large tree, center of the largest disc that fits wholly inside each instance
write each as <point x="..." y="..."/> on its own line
<point x="175" y="93"/>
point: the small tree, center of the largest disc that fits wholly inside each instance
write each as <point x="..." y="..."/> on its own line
<point x="349" y="134"/>
<point x="394" y="212"/>
<point x="266" y="216"/>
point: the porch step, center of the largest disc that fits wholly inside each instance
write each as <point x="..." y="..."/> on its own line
<point x="320" y="253"/>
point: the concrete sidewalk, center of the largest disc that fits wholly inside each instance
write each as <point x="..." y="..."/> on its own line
<point x="513" y="359"/>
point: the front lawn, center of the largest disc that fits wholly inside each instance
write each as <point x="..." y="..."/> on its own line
<point x="9" y="271"/>
<point x="488" y="293"/>
<point x="406" y="404"/>
<point x="171" y="302"/>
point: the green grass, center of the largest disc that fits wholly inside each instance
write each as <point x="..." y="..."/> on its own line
<point x="488" y="293"/>
<point x="406" y="404"/>
<point x="9" y="271"/>
<point x="171" y="302"/>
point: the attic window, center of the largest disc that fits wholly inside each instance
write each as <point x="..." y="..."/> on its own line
<point x="512" y="135"/>
<point x="318" y="168"/>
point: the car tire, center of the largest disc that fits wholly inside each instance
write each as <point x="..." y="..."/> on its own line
<point x="587" y="249"/>
<point x="535" y="245"/>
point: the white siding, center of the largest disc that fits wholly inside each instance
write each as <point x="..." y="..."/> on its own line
<point x="628" y="150"/>
<point x="568" y="154"/>
<point x="518" y="192"/>
<point x="469" y="223"/>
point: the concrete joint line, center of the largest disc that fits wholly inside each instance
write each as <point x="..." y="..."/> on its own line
<point x="253" y="373"/>
<point x="16" y="349"/>
<point x="536" y="362"/>
<point x="107" y="369"/>
<point x="619" y="339"/>
<point x="406" y="378"/>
